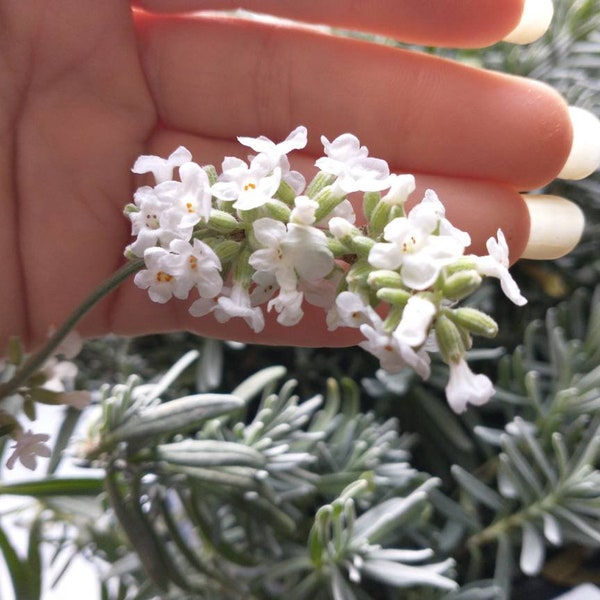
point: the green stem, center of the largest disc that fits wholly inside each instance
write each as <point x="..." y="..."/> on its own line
<point x="493" y="531"/>
<point x="35" y="361"/>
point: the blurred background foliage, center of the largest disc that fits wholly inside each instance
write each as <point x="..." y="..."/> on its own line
<point x="226" y="477"/>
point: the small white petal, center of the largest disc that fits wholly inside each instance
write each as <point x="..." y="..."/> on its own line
<point x="464" y="387"/>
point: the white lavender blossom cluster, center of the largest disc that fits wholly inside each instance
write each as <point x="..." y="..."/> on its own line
<point x="256" y="236"/>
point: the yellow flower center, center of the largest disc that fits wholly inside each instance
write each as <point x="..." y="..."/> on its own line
<point x="163" y="277"/>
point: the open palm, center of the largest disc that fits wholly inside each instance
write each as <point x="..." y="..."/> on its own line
<point x="85" y="88"/>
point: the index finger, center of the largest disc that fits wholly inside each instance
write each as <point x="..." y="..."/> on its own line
<point x="455" y="23"/>
<point x="223" y="77"/>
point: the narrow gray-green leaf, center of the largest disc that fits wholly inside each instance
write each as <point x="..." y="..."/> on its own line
<point x="182" y="414"/>
<point x="399" y="575"/>
<point x="478" y="490"/>
<point x="256" y="383"/>
<point x="209" y="453"/>
<point x="533" y="550"/>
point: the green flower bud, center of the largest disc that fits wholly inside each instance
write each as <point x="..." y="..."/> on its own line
<point x="278" y="210"/>
<point x="475" y="321"/>
<point x="381" y="278"/>
<point x="395" y="296"/>
<point x="327" y="202"/>
<point x="130" y="208"/>
<point x="286" y="193"/>
<point x="358" y="274"/>
<point x="380" y="217"/>
<point x="449" y="339"/>
<point x="461" y="264"/>
<point x="226" y="250"/>
<point x="222" y="222"/>
<point x="370" y="201"/>
<point x="320" y="181"/>
<point x="213" y="176"/>
<point x="337" y="248"/>
<point x="393" y="318"/>
<point x="361" y="245"/>
<point x="243" y="271"/>
<point x="461" y="284"/>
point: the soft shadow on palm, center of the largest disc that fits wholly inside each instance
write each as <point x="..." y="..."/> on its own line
<point x="85" y="115"/>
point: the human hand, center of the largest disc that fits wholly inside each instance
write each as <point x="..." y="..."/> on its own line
<point x="88" y="90"/>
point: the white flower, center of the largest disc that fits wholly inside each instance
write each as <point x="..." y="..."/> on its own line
<point x="162" y="168"/>
<point x="238" y="304"/>
<point x="250" y="186"/>
<point x="27" y="448"/>
<point x="401" y="186"/>
<point x="393" y="354"/>
<point x="235" y="302"/>
<point x="350" y="310"/>
<point x="413" y="247"/>
<point x="321" y="292"/>
<point x="159" y="277"/>
<point x="303" y="212"/>
<point x="464" y="387"/>
<point x="198" y="266"/>
<point x="265" y="286"/>
<point x="154" y="223"/>
<point x="277" y="154"/>
<point x="288" y="303"/>
<point x="417" y="315"/>
<point x="350" y="163"/>
<point x="432" y="205"/>
<point x="496" y="265"/>
<point x="294" y="141"/>
<point x="191" y="198"/>
<point x="290" y="252"/>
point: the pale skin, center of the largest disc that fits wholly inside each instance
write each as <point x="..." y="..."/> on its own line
<point x="87" y="86"/>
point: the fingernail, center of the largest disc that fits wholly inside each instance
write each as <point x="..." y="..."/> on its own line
<point x="556" y="226"/>
<point x="584" y="158"/>
<point x="535" y="21"/>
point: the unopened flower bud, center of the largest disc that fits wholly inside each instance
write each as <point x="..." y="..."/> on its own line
<point x="395" y="296"/>
<point x="130" y="208"/>
<point x="328" y="199"/>
<point x="320" y="181"/>
<point x="461" y="284"/>
<point x="286" y="193"/>
<point x="370" y="201"/>
<point x="211" y="171"/>
<point x="226" y="250"/>
<point x="243" y="271"/>
<point x="385" y="278"/>
<point x="278" y="210"/>
<point x="222" y="222"/>
<point x="362" y="245"/>
<point x="475" y="321"/>
<point x="449" y="340"/>
<point x="358" y="274"/>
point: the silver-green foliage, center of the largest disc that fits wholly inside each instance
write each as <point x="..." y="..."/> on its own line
<point x="279" y="498"/>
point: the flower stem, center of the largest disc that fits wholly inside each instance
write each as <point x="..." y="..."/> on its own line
<point x="35" y="361"/>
